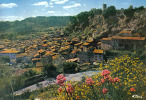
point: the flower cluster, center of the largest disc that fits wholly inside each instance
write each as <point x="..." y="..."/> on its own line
<point x="89" y="81"/>
<point x="105" y="90"/>
<point x="105" y="73"/>
<point x="69" y="89"/>
<point x="61" y="79"/>
<point x="119" y="76"/>
<point x="132" y="89"/>
<point x="116" y="79"/>
<point x="59" y="90"/>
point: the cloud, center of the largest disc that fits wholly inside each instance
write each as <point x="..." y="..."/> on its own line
<point x="43" y="3"/>
<point x="11" y="18"/>
<point x="59" y="1"/>
<point x="9" y="5"/>
<point x="72" y="6"/>
<point x="51" y="12"/>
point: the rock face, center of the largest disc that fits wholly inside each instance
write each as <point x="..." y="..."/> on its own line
<point x="114" y="24"/>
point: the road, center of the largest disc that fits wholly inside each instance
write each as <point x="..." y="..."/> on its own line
<point x="69" y="77"/>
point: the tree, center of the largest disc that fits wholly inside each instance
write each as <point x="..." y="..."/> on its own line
<point x="94" y="12"/>
<point x="30" y="73"/>
<point x="69" y="67"/>
<point x="129" y="12"/>
<point x="110" y="11"/>
<point x="49" y="70"/>
<point x="5" y="59"/>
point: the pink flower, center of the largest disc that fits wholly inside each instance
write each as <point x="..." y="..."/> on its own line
<point x="99" y="83"/>
<point x="132" y="89"/>
<point x="107" y="77"/>
<point x="102" y="80"/>
<point x="59" y="90"/>
<point x="105" y="91"/>
<point x="69" y="89"/>
<point x="111" y="80"/>
<point x="105" y="72"/>
<point x="116" y="79"/>
<point x="61" y="79"/>
<point x="89" y="81"/>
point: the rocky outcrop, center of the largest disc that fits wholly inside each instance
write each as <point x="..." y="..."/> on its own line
<point x="115" y="24"/>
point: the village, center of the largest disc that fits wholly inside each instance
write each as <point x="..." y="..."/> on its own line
<point x="77" y="50"/>
<point x="95" y="55"/>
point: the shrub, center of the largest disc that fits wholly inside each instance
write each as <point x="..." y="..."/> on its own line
<point x="124" y="78"/>
<point x="68" y="67"/>
<point x="49" y="70"/>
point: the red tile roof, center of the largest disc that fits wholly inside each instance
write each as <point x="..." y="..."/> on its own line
<point x="78" y="44"/>
<point x="72" y="60"/>
<point x="106" y="38"/>
<point x="129" y="38"/>
<point x="36" y="59"/>
<point x="86" y="43"/>
<point x="9" y="51"/>
<point x="89" y="41"/>
<point x="97" y="51"/>
<point x="74" y="51"/>
<point x="126" y="32"/>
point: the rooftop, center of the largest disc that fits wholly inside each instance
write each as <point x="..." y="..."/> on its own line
<point x="41" y="51"/>
<point x="9" y="51"/>
<point x="126" y="32"/>
<point x="78" y="44"/>
<point x="129" y="38"/>
<point x="106" y="38"/>
<point x="48" y="53"/>
<point x="74" y="51"/>
<point x="97" y="51"/>
<point x="36" y="59"/>
<point x="72" y="60"/>
<point x="86" y="44"/>
<point x="89" y="41"/>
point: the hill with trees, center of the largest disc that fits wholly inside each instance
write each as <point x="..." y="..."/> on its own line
<point x="31" y="25"/>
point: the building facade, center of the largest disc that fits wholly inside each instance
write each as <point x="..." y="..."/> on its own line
<point x="125" y="43"/>
<point x="10" y="53"/>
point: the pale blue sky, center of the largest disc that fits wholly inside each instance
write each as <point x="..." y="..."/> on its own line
<point x="19" y="9"/>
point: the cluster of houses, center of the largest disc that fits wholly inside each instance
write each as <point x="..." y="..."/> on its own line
<point x="50" y="48"/>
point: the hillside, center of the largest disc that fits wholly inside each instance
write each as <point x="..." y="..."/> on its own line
<point x="108" y="22"/>
<point x="32" y="25"/>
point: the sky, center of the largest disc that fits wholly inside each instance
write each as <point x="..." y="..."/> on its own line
<point x="11" y="10"/>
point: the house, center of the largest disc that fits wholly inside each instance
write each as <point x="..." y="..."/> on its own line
<point x="125" y="33"/>
<point x="127" y="42"/>
<point x="118" y="42"/>
<point x="85" y="46"/>
<point x="83" y="57"/>
<point x="35" y="60"/>
<point x="2" y="47"/>
<point x="74" y="53"/>
<point x="98" y="55"/>
<point x="21" y="57"/>
<point x="10" y="53"/>
<point x="99" y="45"/>
<point x="106" y="43"/>
<point x="76" y="46"/>
<point x="73" y="60"/>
